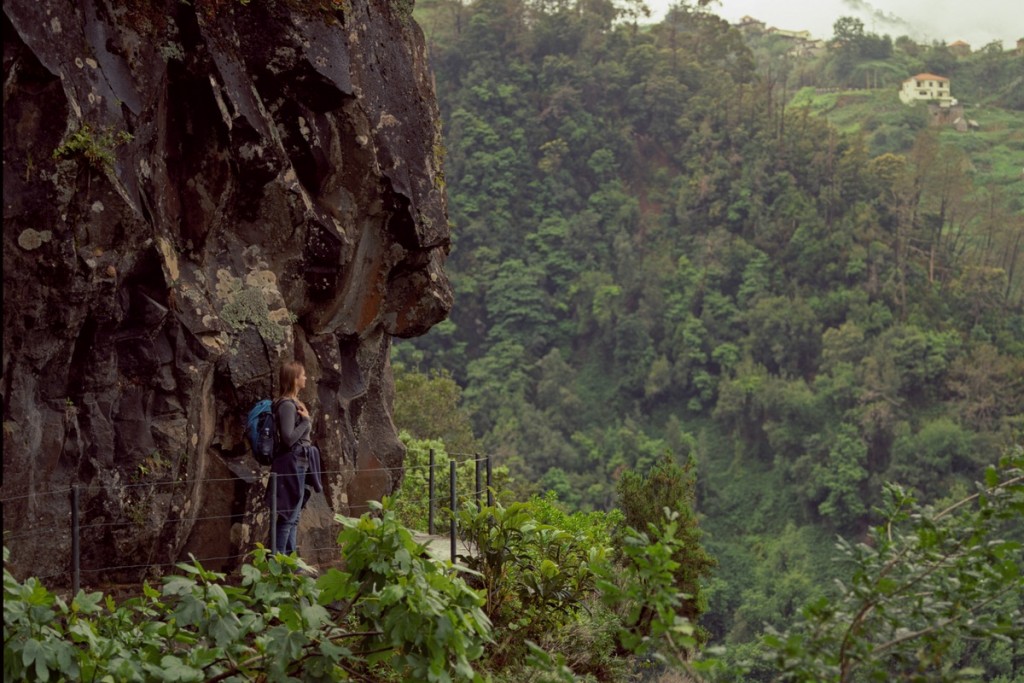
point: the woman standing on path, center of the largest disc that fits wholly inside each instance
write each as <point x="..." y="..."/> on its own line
<point x="297" y="463"/>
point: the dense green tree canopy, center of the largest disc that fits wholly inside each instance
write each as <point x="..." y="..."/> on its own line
<point x="651" y="248"/>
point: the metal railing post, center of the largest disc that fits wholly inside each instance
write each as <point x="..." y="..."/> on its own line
<point x="476" y="461"/>
<point x="430" y="510"/>
<point x="454" y="507"/>
<point x="273" y="512"/>
<point x="490" y="491"/>
<point x="76" y="567"/>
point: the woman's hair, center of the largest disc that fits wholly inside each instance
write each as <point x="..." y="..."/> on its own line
<point x="290" y="372"/>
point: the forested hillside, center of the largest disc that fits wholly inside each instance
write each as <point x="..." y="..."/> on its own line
<point x="654" y="253"/>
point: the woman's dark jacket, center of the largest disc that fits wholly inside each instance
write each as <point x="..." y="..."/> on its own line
<point x="294" y="431"/>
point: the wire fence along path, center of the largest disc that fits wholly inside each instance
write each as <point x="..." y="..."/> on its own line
<point x="76" y="528"/>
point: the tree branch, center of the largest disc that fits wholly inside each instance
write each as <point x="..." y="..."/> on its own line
<point x="935" y="627"/>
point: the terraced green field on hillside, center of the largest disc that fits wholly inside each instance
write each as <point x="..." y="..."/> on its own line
<point x="995" y="148"/>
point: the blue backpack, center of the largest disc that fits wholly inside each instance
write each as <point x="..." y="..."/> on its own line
<point x="261" y="430"/>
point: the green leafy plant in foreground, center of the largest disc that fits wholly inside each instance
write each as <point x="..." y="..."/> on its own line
<point x="926" y="580"/>
<point x="429" y="624"/>
<point x="644" y="588"/>
<point x="666" y="492"/>
<point x="560" y="576"/>
<point x="533" y="576"/>
<point x="392" y="614"/>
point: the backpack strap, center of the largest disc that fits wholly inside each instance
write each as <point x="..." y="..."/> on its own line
<point x="278" y="401"/>
<point x="277" y="419"/>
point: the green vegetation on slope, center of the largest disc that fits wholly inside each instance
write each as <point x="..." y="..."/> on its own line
<point x="654" y="252"/>
<point x="994" y="151"/>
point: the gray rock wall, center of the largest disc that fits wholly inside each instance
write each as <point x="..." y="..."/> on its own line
<point x="193" y="194"/>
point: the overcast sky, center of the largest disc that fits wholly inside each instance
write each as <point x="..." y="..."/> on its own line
<point x="978" y="22"/>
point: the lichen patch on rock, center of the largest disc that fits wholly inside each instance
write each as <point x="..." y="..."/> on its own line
<point x="30" y="239"/>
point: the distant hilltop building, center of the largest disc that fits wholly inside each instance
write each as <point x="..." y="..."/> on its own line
<point x="925" y="88"/>
<point x="749" y="23"/>
<point x="943" y="109"/>
<point x="799" y="35"/>
<point x="802" y="44"/>
<point x="960" y="48"/>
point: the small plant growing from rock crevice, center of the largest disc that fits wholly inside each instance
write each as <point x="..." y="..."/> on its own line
<point x="96" y="147"/>
<point x="404" y="7"/>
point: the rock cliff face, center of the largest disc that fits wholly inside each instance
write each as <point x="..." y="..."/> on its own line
<point x="193" y="194"/>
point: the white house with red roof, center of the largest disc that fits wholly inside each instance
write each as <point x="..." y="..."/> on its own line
<point x="925" y="88"/>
